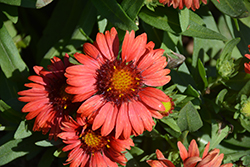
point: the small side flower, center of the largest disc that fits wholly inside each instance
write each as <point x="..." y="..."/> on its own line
<point x="47" y="100"/>
<point x="89" y="148"/>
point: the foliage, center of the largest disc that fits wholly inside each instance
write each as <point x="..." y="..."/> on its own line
<point x="210" y="88"/>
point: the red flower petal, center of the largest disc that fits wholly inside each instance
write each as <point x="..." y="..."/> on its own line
<point x="183" y="151"/>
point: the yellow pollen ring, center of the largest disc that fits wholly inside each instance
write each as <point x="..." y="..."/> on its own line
<point x="115" y="67"/>
<point x="92" y="140"/>
<point x="138" y="79"/>
<point x="109" y="89"/>
<point x="65" y="106"/>
<point x="108" y="146"/>
<point x="132" y="89"/>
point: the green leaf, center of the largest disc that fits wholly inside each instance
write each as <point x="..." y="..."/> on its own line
<point x="48" y="143"/>
<point x="236" y="156"/>
<point x="245" y="90"/>
<point x="189" y="118"/>
<point x="131" y="160"/>
<point x="115" y="14"/>
<point x="241" y="141"/>
<point x="182" y="77"/>
<point x="246" y="160"/>
<point x="245" y="123"/>
<point x="232" y="8"/>
<point x="192" y="92"/>
<point x="17" y="148"/>
<point x="218" y="133"/>
<point x="59" y="153"/>
<point x="162" y="18"/>
<point x="243" y="34"/>
<point x="136" y="151"/>
<point x="67" y="39"/>
<point x="7" y="154"/>
<point x="199" y="31"/>
<point x="184" y="18"/>
<point x="171" y="123"/>
<point x="27" y="3"/>
<point x="132" y="7"/>
<point x="202" y="73"/>
<point x="22" y="131"/>
<point x="9" y="114"/>
<point x="10" y="61"/>
<point x="229" y="46"/>
<point x="11" y="12"/>
<point x="246" y="21"/>
<point x="220" y="97"/>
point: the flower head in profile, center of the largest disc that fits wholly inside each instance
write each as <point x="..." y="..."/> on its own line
<point x="247" y="65"/>
<point x="89" y="148"/>
<point x="47" y="100"/>
<point x="161" y="162"/>
<point x="193" y="4"/>
<point x="169" y="106"/>
<point x="191" y="158"/>
<point x="119" y="88"/>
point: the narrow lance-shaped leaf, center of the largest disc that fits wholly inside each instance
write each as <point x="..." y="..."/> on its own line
<point x="202" y="73"/>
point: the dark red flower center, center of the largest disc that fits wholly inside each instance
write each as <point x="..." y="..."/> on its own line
<point x="93" y="141"/>
<point x="58" y="97"/>
<point x="118" y="81"/>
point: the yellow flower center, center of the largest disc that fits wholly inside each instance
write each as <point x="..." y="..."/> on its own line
<point x="92" y="140"/>
<point x="118" y="81"/>
<point x="122" y="80"/>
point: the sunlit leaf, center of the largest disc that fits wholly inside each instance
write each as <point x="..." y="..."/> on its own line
<point x="48" y="143"/>
<point x="22" y="131"/>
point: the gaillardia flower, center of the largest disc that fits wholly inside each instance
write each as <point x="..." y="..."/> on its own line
<point x="47" y="100"/>
<point x="89" y="148"/>
<point x="161" y="162"/>
<point x="193" y="4"/>
<point x="119" y="88"/>
<point x="247" y="65"/>
<point x="191" y="158"/>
